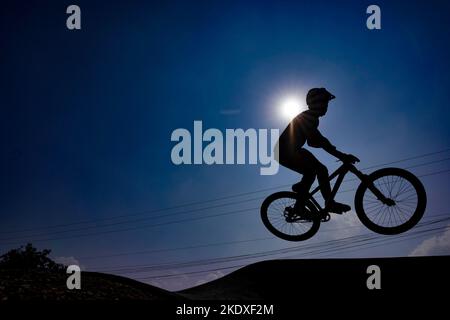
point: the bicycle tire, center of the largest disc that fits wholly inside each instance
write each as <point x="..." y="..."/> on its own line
<point x="363" y="213"/>
<point x="315" y="223"/>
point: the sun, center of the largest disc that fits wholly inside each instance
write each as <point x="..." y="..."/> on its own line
<point x="290" y="107"/>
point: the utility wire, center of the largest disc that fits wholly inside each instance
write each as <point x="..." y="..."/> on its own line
<point x="209" y="200"/>
<point x="164" y="223"/>
<point x="364" y="245"/>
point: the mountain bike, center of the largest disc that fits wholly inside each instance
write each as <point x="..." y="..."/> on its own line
<point x="388" y="201"/>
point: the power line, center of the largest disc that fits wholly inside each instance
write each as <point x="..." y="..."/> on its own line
<point x="409" y="167"/>
<point x="216" y="244"/>
<point x="136" y="228"/>
<point x="204" y="201"/>
<point x="352" y="239"/>
<point x="382" y="241"/>
<point x="407" y="159"/>
<point x="192" y="272"/>
<point x="167" y="223"/>
<point x="367" y="243"/>
<point x="396" y="241"/>
<point x="133" y="221"/>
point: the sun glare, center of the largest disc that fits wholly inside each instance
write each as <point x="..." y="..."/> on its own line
<point x="290" y="107"/>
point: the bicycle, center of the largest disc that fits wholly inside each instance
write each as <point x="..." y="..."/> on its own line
<point x="388" y="201"/>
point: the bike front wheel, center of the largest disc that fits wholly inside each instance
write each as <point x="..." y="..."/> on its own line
<point x="275" y="216"/>
<point x="409" y="201"/>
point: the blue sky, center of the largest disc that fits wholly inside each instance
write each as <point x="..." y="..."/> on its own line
<point x="87" y="115"/>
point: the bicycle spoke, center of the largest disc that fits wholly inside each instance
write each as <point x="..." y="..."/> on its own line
<point x="398" y="189"/>
<point x="403" y="213"/>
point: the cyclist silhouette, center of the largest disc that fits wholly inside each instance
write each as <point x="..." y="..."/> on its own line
<point x="304" y="128"/>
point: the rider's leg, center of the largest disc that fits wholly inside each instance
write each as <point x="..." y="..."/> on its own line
<point x="302" y="187"/>
<point x="324" y="182"/>
<point x="303" y="162"/>
<point x="312" y="167"/>
<point x="325" y="189"/>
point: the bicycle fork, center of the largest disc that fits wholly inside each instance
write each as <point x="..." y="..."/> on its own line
<point x="365" y="179"/>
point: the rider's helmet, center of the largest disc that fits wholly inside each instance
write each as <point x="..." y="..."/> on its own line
<point x="316" y="95"/>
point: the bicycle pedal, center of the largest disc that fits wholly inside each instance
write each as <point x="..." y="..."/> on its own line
<point x="325" y="218"/>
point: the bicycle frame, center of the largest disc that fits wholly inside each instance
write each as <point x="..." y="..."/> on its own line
<point x="340" y="173"/>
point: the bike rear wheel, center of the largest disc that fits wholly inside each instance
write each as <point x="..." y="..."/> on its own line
<point x="399" y="185"/>
<point x="273" y="213"/>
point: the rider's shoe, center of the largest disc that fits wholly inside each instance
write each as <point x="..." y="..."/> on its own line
<point x="295" y="215"/>
<point x="337" y="207"/>
<point x="307" y="215"/>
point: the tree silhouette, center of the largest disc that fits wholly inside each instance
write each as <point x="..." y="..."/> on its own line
<point x="29" y="258"/>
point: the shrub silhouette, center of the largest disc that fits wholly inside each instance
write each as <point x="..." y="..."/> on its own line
<point x="29" y="258"/>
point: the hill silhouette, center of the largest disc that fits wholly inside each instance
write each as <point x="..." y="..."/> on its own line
<point x="292" y="279"/>
<point x="272" y="280"/>
<point x="27" y="273"/>
<point x="18" y="285"/>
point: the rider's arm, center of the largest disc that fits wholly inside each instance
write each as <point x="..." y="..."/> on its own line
<point x="333" y="151"/>
<point x="316" y="140"/>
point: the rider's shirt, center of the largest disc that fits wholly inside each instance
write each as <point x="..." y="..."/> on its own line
<point x="303" y="128"/>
